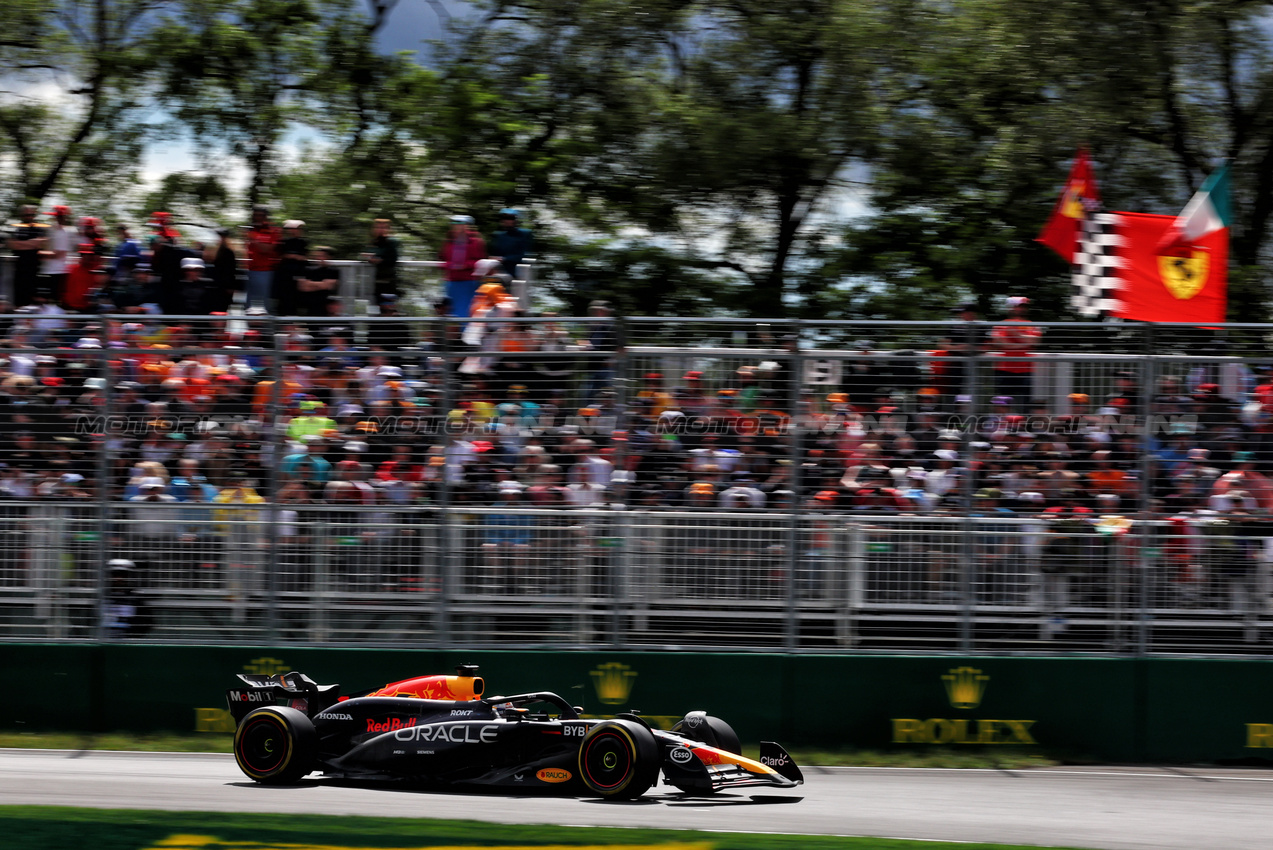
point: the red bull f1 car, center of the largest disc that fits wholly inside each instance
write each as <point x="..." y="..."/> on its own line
<point x="441" y="731"/>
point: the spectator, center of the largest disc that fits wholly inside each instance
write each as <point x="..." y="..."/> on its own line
<point x="510" y="244"/>
<point x="318" y="285"/>
<point x="507" y="543"/>
<point x="263" y="240"/>
<point x="55" y="254"/>
<point x="154" y="528"/>
<point x="127" y="254"/>
<point x="126" y="612"/>
<point x="964" y="341"/>
<point x="1015" y="339"/>
<point x="383" y="255"/>
<point x="225" y="273"/>
<point x="459" y="253"/>
<point x="165" y="263"/>
<point x="84" y="279"/>
<point x="293" y="257"/>
<point x="27" y="240"/>
<point x="602" y="338"/>
<point x="199" y="294"/>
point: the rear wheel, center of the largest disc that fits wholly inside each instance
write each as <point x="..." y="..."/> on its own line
<point x="711" y="731"/>
<point x="619" y="760"/>
<point x="275" y="745"/>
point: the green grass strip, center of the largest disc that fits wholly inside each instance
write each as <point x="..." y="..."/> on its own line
<point x="46" y="827"/>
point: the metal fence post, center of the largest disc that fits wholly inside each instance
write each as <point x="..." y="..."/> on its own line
<point x="621" y="579"/>
<point x="791" y="636"/>
<point x="275" y="437"/>
<point x="102" y="574"/>
<point x="1146" y="529"/>
<point x="445" y="531"/>
<point x="972" y="335"/>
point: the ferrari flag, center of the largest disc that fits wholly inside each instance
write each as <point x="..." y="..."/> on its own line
<point x="1130" y="265"/>
<point x="1062" y="230"/>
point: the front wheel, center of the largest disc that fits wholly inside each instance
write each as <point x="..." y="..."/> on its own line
<point x="275" y="745"/>
<point x="619" y="760"/>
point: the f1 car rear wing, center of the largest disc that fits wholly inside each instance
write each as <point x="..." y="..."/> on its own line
<point x="292" y="689"/>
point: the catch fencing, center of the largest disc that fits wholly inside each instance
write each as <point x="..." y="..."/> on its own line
<point x="634" y="483"/>
<point x="500" y="577"/>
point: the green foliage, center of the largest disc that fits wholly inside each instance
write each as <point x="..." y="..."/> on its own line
<point x="988" y="103"/>
<point x="73" y="96"/>
<point x="675" y="156"/>
<point x="245" y="72"/>
<point x="202" y="198"/>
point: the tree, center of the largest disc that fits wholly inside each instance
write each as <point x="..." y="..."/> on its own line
<point x="75" y="83"/>
<point x="244" y="73"/>
<point x="711" y="131"/>
<point x="990" y="99"/>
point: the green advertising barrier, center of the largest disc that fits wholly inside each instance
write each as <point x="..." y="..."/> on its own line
<point x="1170" y="710"/>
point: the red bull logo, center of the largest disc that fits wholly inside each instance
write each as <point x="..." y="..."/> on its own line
<point x="391" y="725"/>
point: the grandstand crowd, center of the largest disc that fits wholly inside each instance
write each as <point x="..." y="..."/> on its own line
<point x="395" y="411"/>
<point x="109" y="394"/>
<point x="527" y="413"/>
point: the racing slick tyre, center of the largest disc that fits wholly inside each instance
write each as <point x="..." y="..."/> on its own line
<point x="619" y="760"/>
<point x="276" y="745"/>
<point x="711" y="731"/>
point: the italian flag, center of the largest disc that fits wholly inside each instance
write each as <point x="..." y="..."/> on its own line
<point x="1207" y="212"/>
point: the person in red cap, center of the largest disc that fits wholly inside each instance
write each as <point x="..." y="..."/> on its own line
<point x="55" y="255"/>
<point x="695" y="402"/>
<point x="84" y="278"/>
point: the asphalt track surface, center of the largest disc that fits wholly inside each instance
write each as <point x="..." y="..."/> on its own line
<point x="1126" y="807"/>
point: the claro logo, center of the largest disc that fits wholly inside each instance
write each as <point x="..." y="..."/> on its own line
<point x="553" y="774"/>
<point x="456" y="733"/>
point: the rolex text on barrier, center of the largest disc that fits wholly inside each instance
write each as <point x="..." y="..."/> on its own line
<point x="965" y="687"/>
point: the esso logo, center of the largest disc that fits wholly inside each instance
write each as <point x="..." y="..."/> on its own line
<point x="681" y="755"/>
<point x="553" y="774"/>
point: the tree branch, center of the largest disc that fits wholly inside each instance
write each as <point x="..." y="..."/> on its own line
<point x="1167" y="90"/>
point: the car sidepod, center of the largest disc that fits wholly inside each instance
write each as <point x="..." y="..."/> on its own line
<point x="465" y="744"/>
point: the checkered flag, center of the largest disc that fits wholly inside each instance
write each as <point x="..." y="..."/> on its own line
<point x="1097" y="265"/>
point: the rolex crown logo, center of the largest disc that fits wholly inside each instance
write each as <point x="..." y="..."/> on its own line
<point x="965" y="686"/>
<point x="265" y="666"/>
<point x="613" y="682"/>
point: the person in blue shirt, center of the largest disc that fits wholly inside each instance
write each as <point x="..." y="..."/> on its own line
<point x="127" y="255"/>
<point x="510" y="244"/>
